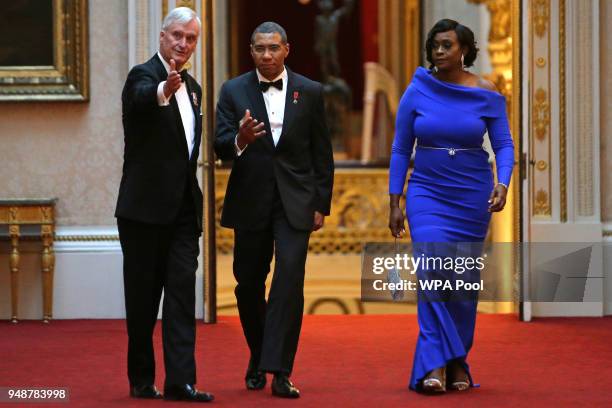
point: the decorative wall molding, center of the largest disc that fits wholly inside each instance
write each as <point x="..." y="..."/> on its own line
<point x="584" y="86"/>
<point x="563" y="148"/>
<point x="541" y="16"/>
<point x="87" y="239"/>
<point x="540" y="140"/>
<point x="541" y="114"/>
<point x="542" y="203"/>
<point x="562" y="113"/>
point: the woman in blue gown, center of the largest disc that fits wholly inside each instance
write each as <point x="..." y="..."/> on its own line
<point x="451" y="193"/>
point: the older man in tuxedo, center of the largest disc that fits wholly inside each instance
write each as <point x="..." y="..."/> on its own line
<point x="159" y="210"/>
<point x="271" y="123"/>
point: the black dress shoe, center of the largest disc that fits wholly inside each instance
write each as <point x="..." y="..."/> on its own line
<point x="186" y="392"/>
<point x="145" y="391"/>
<point x="254" y="378"/>
<point x="282" y="387"/>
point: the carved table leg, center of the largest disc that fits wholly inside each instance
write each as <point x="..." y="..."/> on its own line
<point x="14" y="266"/>
<point x="48" y="266"/>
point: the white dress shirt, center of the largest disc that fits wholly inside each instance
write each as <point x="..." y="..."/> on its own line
<point x="184" y="105"/>
<point x="275" y="107"/>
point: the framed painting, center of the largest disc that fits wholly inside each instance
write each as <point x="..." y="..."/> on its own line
<point x="44" y="50"/>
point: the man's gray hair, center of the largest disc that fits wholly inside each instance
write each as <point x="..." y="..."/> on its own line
<point x="181" y="15"/>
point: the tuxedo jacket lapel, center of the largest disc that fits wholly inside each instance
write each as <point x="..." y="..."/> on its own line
<point x="179" y="126"/>
<point x="180" y="134"/>
<point x="259" y="111"/>
<point x="292" y="103"/>
<point x="193" y="99"/>
<point x="191" y="93"/>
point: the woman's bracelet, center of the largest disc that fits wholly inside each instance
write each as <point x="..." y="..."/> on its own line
<point x="503" y="185"/>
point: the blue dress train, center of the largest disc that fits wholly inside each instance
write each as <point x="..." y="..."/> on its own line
<point x="447" y="195"/>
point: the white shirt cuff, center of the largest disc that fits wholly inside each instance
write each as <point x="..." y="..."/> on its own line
<point x="239" y="151"/>
<point x="161" y="98"/>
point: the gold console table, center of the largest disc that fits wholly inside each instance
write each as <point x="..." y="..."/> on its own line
<point x="19" y="212"/>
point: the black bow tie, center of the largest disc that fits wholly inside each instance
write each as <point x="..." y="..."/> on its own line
<point x="264" y="86"/>
<point x="183" y="75"/>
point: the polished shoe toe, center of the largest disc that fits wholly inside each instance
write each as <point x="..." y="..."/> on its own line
<point x="255" y="380"/>
<point x="282" y="387"/>
<point x="147" y="391"/>
<point x="186" y="392"/>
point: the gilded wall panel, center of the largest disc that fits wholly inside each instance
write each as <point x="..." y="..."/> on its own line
<point x="540" y="108"/>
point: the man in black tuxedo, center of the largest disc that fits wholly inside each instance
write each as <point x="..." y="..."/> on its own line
<point x="271" y="123"/>
<point x="159" y="210"/>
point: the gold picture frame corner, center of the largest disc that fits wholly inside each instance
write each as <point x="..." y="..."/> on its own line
<point x="68" y="78"/>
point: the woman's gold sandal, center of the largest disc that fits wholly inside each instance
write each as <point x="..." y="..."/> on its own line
<point x="458" y="379"/>
<point x="435" y="381"/>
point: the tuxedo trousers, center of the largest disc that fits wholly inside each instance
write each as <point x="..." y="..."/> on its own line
<point x="272" y="328"/>
<point x="160" y="258"/>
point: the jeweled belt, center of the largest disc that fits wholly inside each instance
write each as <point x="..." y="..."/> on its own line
<point x="451" y="150"/>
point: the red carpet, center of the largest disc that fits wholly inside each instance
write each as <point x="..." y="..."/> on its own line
<point x="343" y="361"/>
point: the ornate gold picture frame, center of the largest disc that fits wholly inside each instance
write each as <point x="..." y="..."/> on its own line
<point x="44" y="50"/>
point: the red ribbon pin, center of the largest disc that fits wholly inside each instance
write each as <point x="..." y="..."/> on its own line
<point x="296" y="96"/>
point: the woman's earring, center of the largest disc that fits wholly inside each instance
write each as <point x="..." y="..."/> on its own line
<point x="435" y="69"/>
<point x="462" y="61"/>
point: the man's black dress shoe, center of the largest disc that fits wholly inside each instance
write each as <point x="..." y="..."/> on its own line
<point x="145" y="391"/>
<point x="186" y="392"/>
<point x="254" y="378"/>
<point x="282" y="387"/>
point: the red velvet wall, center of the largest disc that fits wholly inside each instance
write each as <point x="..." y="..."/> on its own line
<point x="298" y="20"/>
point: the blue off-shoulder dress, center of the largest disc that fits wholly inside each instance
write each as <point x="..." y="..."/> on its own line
<point x="447" y="195"/>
